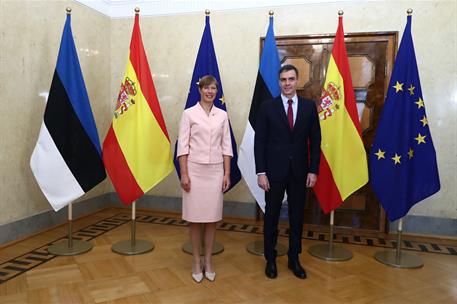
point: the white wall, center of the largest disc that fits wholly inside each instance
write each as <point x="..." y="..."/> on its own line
<point x="30" y="37"/>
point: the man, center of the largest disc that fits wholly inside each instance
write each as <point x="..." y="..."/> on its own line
<point x="287" y="129"/>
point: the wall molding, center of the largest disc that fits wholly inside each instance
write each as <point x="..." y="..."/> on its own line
<point x="47" y="219"/>
<point x="414" y="224"/>
<point x="427" y="225"/>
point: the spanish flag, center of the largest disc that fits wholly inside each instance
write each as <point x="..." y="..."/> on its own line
<point x="343" y="167"/>
<point x="136" y="150"/>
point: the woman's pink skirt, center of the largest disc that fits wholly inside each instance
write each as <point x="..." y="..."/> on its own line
<point x="203" y="203"/>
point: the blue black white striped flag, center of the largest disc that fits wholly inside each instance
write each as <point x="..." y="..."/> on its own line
<point x="266" y="87"/>
<point x="67" y="158"/>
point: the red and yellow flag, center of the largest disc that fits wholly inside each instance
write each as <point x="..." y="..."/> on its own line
<point x="136" y="150"/>
<point x="343" y="167"/>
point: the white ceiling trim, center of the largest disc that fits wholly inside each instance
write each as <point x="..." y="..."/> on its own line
<point x="123" y="8"/>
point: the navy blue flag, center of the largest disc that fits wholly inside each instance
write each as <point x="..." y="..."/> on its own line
<point x="206" y="64"/>
<point x="67" y="159"/>
<point x="266" y="87"/>
<point x="402" y="164"/>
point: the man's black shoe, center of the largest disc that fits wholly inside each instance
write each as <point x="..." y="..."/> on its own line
<point x="297" y="269"/>
<point x="270" y="270"/>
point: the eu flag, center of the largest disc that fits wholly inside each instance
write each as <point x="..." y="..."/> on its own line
<point x="402" y="165"/>
<point x="206" y="64"/>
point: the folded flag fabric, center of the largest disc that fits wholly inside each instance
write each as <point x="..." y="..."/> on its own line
<point x="343" y="166"/>
<point x="136" y="150"/>
<point x="206" y="64"/>
<point x="67" y="160"/>
<point x="266" y="87"/>
<point x="403" y="166"/>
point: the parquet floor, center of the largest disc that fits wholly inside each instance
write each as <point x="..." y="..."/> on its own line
<point x="163" y="275"/>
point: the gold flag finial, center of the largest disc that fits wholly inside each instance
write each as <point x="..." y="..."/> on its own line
<point x="137" y="10"/>
<point x="271" y="13"/>
<point x="340" y="13"/>
<point x="68" y="9"/>
<point x="207" y="12"/>
<point x="409" y="11"/>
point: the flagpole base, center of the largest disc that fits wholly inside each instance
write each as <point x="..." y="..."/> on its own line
<point x="217" y="248"/>
<point x="62" y="248"/>
<point x="322" y="251"/>
<point x="257" y="248"/>
<point x="126" y="248"/>
<point x="389" y="257"/>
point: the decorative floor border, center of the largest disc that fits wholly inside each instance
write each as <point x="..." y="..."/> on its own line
<point x="40" y="255"/>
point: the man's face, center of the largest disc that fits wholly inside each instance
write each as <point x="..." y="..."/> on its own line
<point x="288" y="83"/>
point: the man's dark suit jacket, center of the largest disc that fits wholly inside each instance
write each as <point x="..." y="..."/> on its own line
<point x="280" y="152"/>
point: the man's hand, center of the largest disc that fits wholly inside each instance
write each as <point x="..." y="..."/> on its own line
<point x="311" y="180"/>
<point x="262" y="181"/>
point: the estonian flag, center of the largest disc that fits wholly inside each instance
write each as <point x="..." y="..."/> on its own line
<point x="266" y="87"/>
<point x="206" y="64"/>
<point x="67" y="158"/>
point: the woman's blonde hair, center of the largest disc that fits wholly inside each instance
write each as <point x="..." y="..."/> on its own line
<point x="207" y="80"/>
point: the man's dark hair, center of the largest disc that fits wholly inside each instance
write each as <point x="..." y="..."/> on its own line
<point x="286" y="68"/>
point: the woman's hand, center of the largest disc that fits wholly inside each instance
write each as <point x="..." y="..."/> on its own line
<point x="226" y="182"/>
<point x="185" y="182"/>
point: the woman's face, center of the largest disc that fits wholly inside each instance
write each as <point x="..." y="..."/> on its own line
<point x="208" y="93"/>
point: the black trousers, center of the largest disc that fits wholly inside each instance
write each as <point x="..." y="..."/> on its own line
<point x="296" y="197"/>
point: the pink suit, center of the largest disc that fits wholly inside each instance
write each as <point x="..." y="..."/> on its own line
<point x="205" y="139"/>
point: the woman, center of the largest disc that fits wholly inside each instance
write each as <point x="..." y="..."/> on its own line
<point x="204" y="153"/>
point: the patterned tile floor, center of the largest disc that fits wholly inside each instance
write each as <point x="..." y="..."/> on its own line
<point x="18" y="265"/>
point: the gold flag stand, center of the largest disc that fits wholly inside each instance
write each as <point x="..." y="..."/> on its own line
<point x="133" y="246"/>
<point x="330" y="252"/>
<point x="396" y="258"/>
<point x="71" y="247"/>
<point x="257" y="248"/>
<point x="217" y="247"/>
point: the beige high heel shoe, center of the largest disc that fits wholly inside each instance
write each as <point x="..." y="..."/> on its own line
<point x="211" y="276"/>
<point x="198" y="277"/>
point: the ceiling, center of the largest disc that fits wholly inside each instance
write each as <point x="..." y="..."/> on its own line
<point x="124" y="8"/>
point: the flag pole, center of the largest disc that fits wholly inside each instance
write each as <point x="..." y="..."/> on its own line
<point x="396" y="258"/>
<point x="132" y="246"/>
<point x="330" y="252"/>
<point x="257" y="247"/>
<point x="71" y="247"/>
<point x="217" y="247"/>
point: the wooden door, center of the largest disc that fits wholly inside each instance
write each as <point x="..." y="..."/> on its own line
<point x="371" y="56"/>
